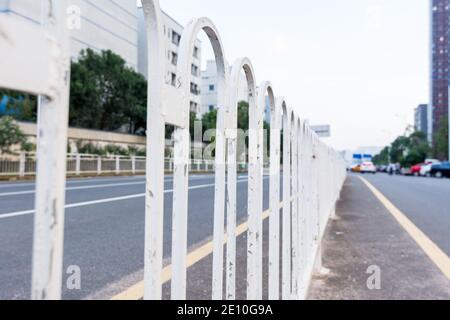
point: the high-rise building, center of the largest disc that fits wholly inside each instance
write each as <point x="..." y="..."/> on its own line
<point x="172" y="31"/>
<point x="98" y="25"/>
<point x="440" y="64"/>
<point x="421" y="118"/>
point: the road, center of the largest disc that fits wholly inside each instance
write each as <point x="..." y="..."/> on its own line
<point x="104" y="230"/>
<point x="425" y="201"/>
<point x="370" y="239"/>
<point x="104" y="227"/>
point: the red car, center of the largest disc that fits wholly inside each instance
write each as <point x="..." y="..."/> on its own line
<point x="415" y="170"/>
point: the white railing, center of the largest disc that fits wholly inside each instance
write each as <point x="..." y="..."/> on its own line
<point x="312" y="174"/>
<point x="24" y="165"/>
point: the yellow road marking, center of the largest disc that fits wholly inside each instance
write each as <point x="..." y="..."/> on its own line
<point x="136" y="292"/>
<point x="439" y="258"/>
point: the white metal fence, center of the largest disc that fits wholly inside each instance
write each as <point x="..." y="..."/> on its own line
<point x="312" y="174"/>
<point x="88" y="164"/>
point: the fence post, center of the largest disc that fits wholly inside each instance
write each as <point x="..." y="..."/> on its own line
<point x="154" y="186"/>
<point x="286" y="241"/>
<point x="274" y="202"/>
<point x="133" y="164"/>
<point x="294" y="213"/>
<point x="99" y="165"/>
<point x="51" y="168"/>
<point x="77" y="164"/>
<point x="117" y="165"/>
<point x="22" y="164"/>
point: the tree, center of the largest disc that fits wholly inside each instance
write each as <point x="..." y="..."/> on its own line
<point x="21" y="106"/>
<point x="418" y="149"/>
<point x="106" y="94"/>
<point x="383" y="157"/>
<point x="11" y="135"/>
<point x="440" y="145"/>
<point x="409" y="149"/>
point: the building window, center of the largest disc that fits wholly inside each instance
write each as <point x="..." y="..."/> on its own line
<point x="196" y="52"/>
<point x="211" y="87"/>
<point x="194" y="70"/>
<point x="194" y="89"/>
<point x="173" y="79"/>
<point x="194" y="106"/>
<point x="176" y="38"/>
<point x="174" y="59"/>
<point x="211" y="107"/>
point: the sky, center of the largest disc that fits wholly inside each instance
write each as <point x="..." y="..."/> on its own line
<point x="361" y="66"/>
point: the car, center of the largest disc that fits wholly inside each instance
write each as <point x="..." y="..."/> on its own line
<point x="426" y="168"/>
<point x="406" y="171"/>
<point x="440" y="170"/>
<point x="368" y="167"/>
<point x="415" y="170"/>
<point x="356" y="168"/>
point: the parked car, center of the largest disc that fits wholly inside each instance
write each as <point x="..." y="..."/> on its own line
<point x="368" y="167"/>
<point x="440" y="170"/>
<point x="426" y="168"/>
<point x="406" y="171"/>
<point x="415" y="170"/>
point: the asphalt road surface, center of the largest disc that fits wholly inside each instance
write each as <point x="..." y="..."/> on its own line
<point x="425" y="201"/>
<point x="104" y="230"/>
<point x="104" y="227"/>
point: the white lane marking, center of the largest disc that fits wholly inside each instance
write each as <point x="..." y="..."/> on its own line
<point x="436" y="255"/>
<point x="100" y="180"/>
<point x="101" y="201"/>
<point x="108" y="185"/>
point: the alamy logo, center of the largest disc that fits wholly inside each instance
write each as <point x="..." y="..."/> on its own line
<point x="374" y="280"/>
<point x="74" y="280"/>
<point x="73" y="17"/>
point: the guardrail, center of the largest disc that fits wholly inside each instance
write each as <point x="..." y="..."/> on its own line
<point x="312" y="174"/>
<point x="88" y="164"/>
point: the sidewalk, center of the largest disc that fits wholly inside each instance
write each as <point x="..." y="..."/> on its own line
<point x="365" y="234"/>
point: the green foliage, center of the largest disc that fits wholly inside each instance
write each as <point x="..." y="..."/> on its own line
<point x="209" y="119"/>
<point x="106" y="94"/>
<point x="243" y="118"/>
<point x="116" y="150"/>
<point x="90" y="148"/>
<point x="382" y="158"/>
<point x="11" y="135"/>
<point x="440" y="145"/>
<point x="21" y="106"/>
<point x="133" y="151"/>
<point x="407" y="150"/>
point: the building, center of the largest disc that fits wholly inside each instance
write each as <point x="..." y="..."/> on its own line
<point x="421" y="118"/>
<point x="172" y="33"/>
<point x="98" y="25"/>
<point x="440" y="63"/>
<point x="209" y="88"/>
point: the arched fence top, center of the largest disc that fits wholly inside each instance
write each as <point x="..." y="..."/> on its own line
<point x="156" y="49"/>
<point x="185" y="59"/>
<point x="241" y="64"/>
